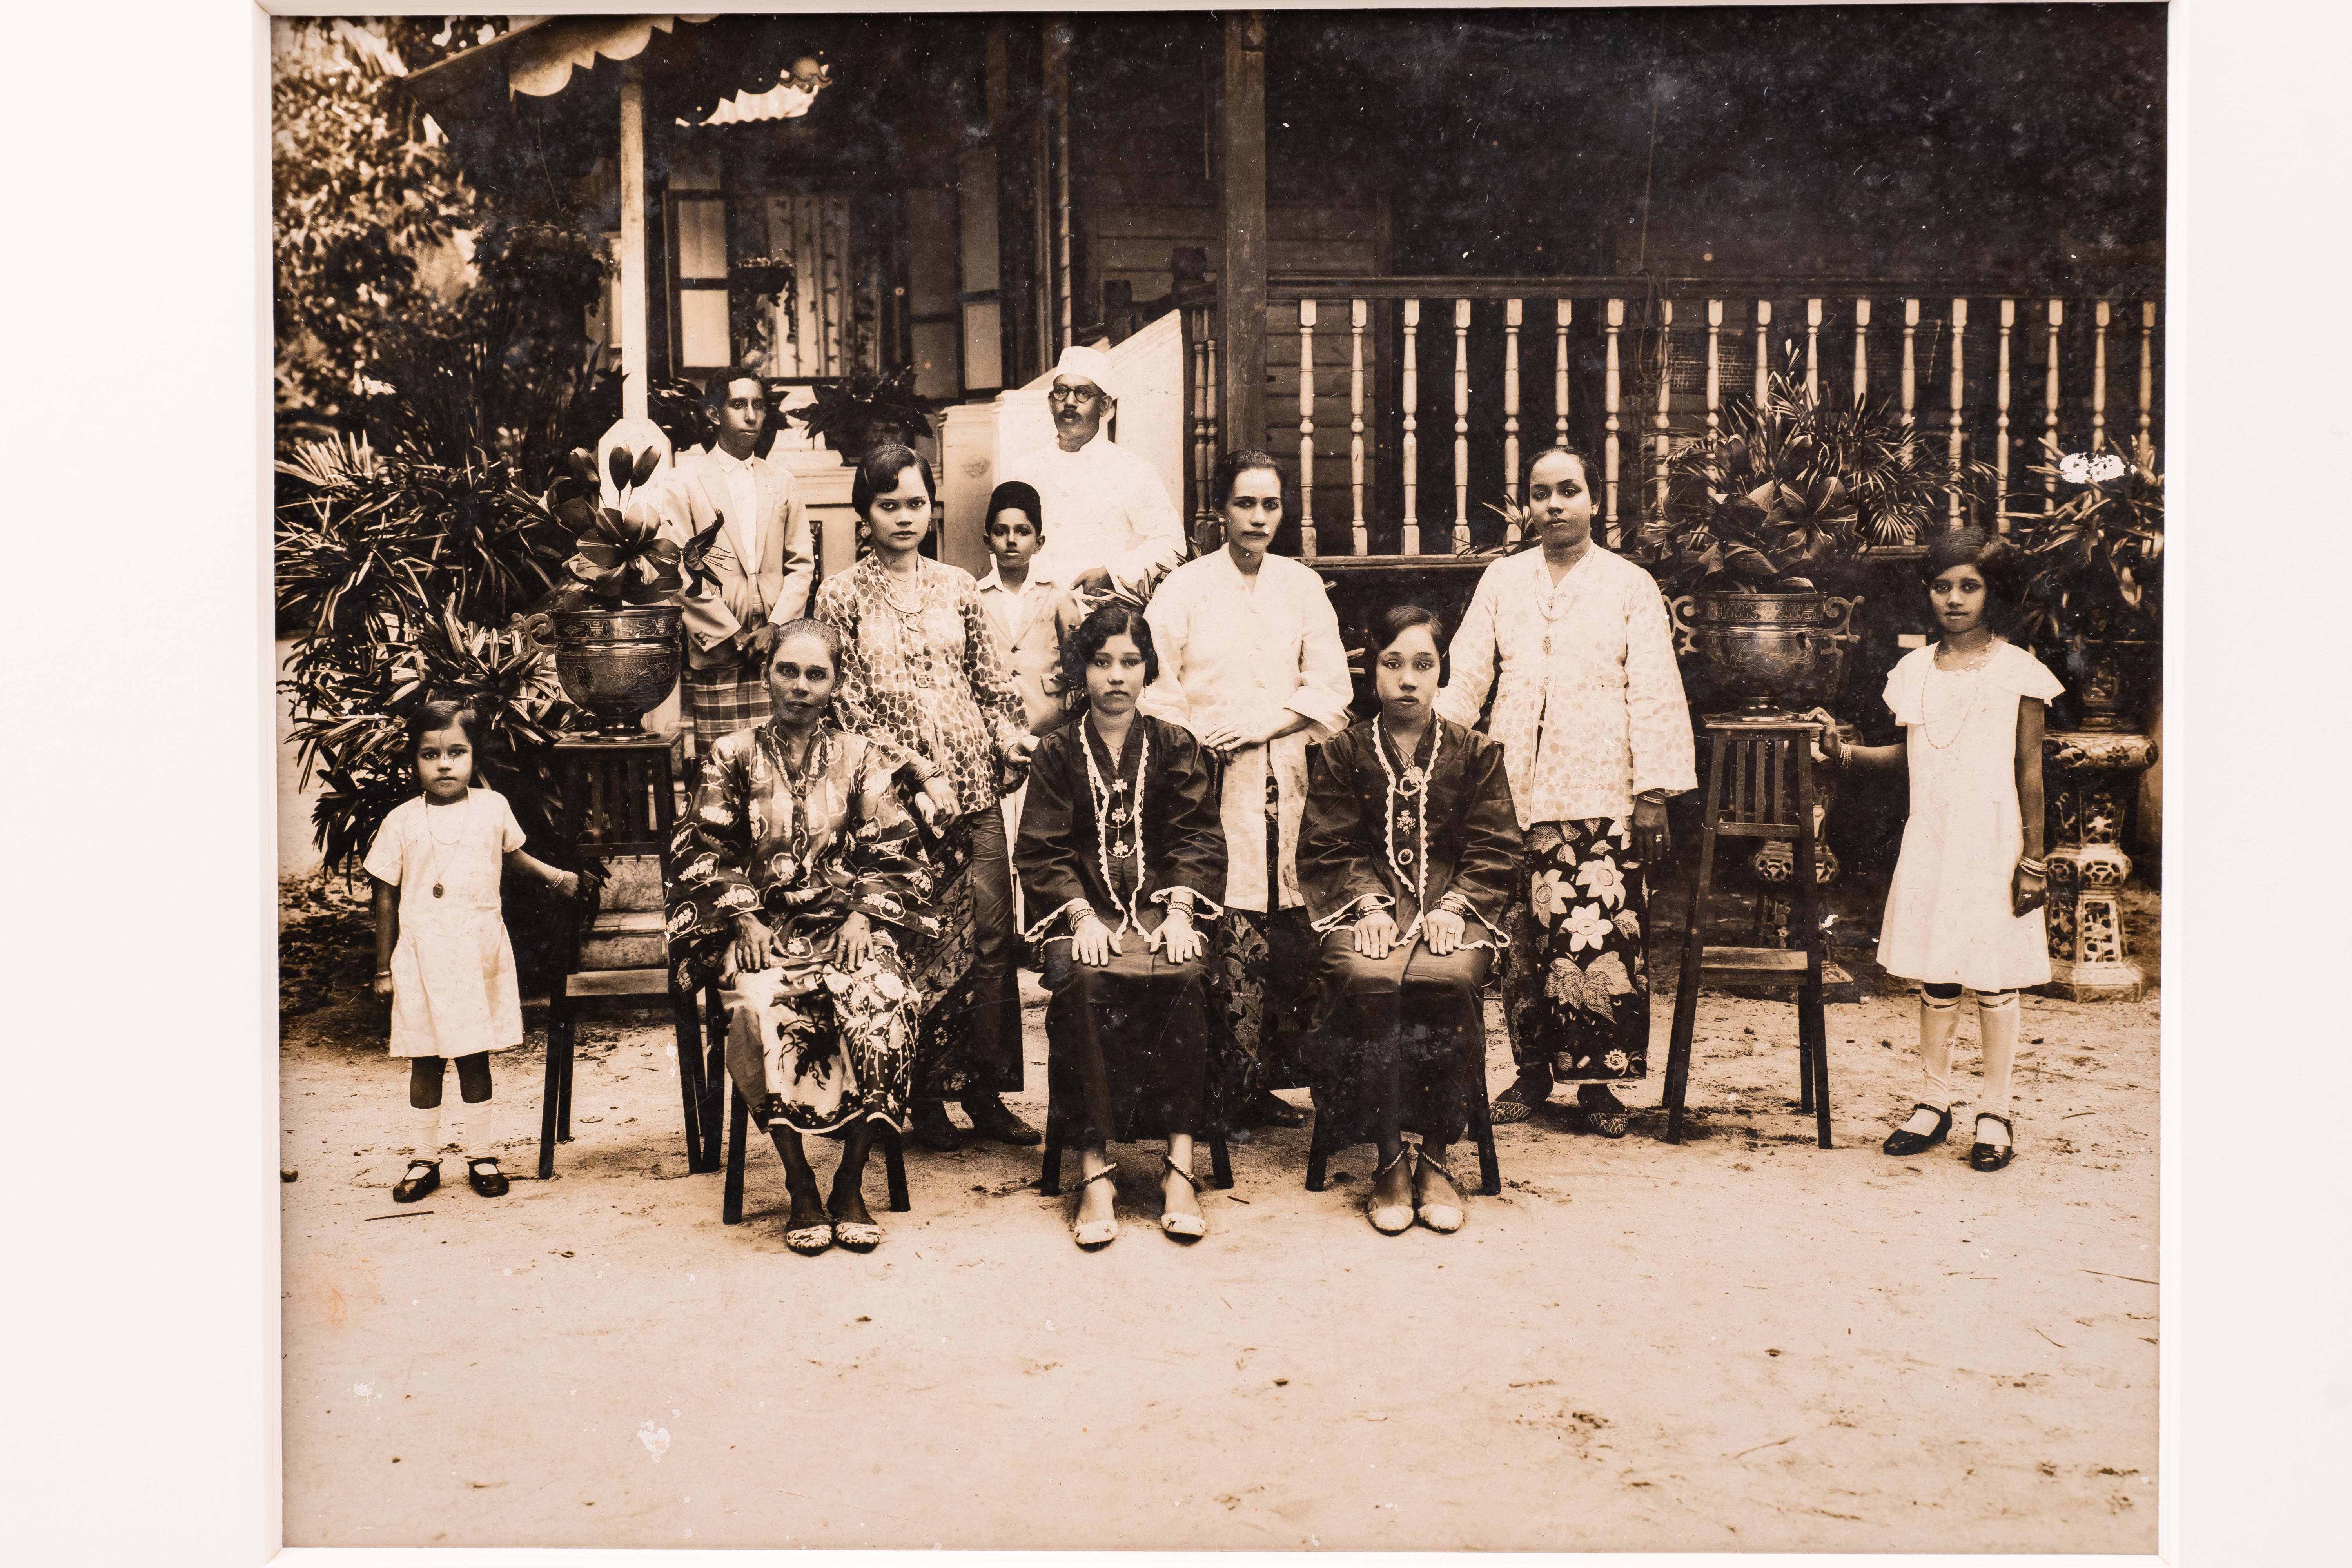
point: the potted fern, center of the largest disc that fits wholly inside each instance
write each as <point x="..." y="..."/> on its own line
<point x="860" y="412"/>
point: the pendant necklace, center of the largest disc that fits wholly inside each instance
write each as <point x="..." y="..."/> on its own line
<point x="1971" y="690"/>
<point x="1545" y="605"/>
<point x="441" y="846"/>
<point x="1102" y="795"/>
<point x="815" y="760"/>
<point x="1410" y="787"/>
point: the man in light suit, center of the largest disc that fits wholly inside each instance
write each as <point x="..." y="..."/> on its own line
<point x="758" y="570"/>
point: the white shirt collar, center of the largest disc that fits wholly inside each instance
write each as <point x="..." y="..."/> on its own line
<point x="1039" y="577"/>
<point x="727" y="464"/>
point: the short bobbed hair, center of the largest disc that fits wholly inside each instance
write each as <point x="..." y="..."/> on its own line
<point x="444" y="713"/>
<point x="1103" y="623"/>
<point x="1398" y="620"/>
<point x="878" y="475"/>
<point x="1995" y="559"/>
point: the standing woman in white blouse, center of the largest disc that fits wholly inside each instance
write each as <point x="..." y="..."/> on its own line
<point x="1251" y="662"/>
<point x="1596" y="739"/>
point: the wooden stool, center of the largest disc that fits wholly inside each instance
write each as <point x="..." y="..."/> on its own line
<point x="619" y="807"/>
<point x="1482" y="1133"/>
<point x="739" y="1135"/>
<point x="1747" y="797"/>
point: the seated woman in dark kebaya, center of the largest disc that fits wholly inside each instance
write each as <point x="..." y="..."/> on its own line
<point x="1118" y="852"/>
<point x="1409" y="859"/>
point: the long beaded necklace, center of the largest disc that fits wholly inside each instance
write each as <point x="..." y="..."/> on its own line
<point x="1113" y="813"/>
<point x="1971" y="691"/>
<point x="1413" y="787"/>
<point x="440" y="844"/>
<point x="890" y="597"/>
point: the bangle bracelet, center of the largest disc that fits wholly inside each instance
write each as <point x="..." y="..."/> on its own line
<point x="383" y="974"/>
<point x="2031" y="867"/>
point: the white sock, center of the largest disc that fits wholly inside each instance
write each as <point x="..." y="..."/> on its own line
<point x="1939" y="1019"/>
<point x="425" y="1131"/>
<point x="1998" y="1019"/>
<point x="454" y="1122"/>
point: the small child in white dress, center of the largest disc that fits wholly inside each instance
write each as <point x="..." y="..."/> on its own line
<point x="441" y="949"/>
<point x="1964" y="908"/>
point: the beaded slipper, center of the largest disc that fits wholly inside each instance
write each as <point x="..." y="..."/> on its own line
<point x="1442" y="1217"/>
<point x="810" y="1240"/>
<point x="1098" y="1232"/>
<point x="857" y="1237"/>
<point x="1189" y="1226"/>
<point x="1389" y="1219"/>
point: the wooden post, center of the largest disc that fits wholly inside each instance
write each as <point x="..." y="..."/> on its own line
<point x="2099" y="376"/>
<point x="1307" y="541"/>
<point x="1461" y="424"/>
<point x="1057" y="94"/>
<point x="1511" y="320"/>
<point x="1241" y="201"/>
<point x="1960" y="390"/>
<point x="2000" y="399"/>
<point x="1611" y="392"/>
<point x="1763" y="351"/>
<point x="1714" y="364"/>
<point x="633" y="241"/>
<point x="1559" y="373"/>
<point x="1360" y="541"/>
<point x="1411" y="540"/>
<point x="2146" y="377"/>
<point x="1860" y="350"/>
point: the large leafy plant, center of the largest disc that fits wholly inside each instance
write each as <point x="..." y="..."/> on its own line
<point x="2093" y="564"/>
<point x="848" y="410"/>
<point x="1794" y="486"/>
<point x="619" y="558"/>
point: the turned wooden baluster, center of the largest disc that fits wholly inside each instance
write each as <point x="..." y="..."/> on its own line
<point x="1361" y="540"/>
<point x="1511" y="317"/>
<point x="1910" y="360"/>
<point x="1960" y="322"/>
<point x="1714" y="364"/>
<point x="2099" y="376"/>
<point x="1412" y="541"/>
<point x="1306" y="544"/>
<point x="1211" y="342"/>
<point x="2001" y="426"/>
<point x="1559" y="373"/>
<point x="1860" y="350"/>
<point x="2146" y="377"/>
<point x="1612" y="387"/>
<point x="1461" y="425"/>
<point x="1199" y="401"/>
<point x="1763" y="350"/>
<point x="2049" y="407"/>
<point x="1812" y="351"/>
<point x="1665" y="396"/>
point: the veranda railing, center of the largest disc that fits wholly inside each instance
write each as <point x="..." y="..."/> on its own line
<point x="1441" y="384"/>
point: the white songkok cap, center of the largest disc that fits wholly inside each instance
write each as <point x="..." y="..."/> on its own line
<point x="1080" y="363"/>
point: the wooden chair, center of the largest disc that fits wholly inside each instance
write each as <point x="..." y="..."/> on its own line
<point x="1760" y="786"/>
<point x="739" y="1137"/>
<point x="1319" y="1150"/>
<point x="1221" y="1164"/>
<point x="619" y="807"/>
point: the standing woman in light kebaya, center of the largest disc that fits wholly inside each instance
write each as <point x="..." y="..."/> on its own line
<point x="1965" y="907"/>
<point x="1251" y="662"/>
<point x="920" y="667"/>
<point x="1410" y="862"/>
<point x="1597" y="738"/>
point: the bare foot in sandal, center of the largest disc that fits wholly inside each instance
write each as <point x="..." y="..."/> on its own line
<point x="1179" y="1203"/>
<point x="1097" y="1218"/>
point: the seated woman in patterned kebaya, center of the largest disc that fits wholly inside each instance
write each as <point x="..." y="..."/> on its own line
<point x="795" y="881"/>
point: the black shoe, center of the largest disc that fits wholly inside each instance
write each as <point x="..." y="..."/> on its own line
<point x="413" y="1186"/>
<point x="1519" y="1101"/>
<point x="1993" y="1156"/>
<point x="485" y="1177"/>
<point x="933" y="1128"/>
<point x="1270" y="1109"/>
<point x="991" y="1117"/>
<point x="1900" y="1142"/>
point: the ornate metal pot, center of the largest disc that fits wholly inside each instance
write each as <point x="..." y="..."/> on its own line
<point x="617" y="664"/>
<point x="1777" y="651"/>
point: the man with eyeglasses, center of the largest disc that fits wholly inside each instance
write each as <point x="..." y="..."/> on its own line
<point x="1108" y="523"/>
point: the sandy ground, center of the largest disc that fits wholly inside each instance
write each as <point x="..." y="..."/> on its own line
<point x="1745" y="1343"/>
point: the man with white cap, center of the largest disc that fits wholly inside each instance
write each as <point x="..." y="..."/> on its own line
<point x="1109" y="522"/>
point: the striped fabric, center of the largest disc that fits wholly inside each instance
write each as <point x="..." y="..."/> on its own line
<point x="723" y="699"/>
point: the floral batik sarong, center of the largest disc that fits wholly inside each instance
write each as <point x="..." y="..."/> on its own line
<point x="1576" y="996"/>
<point x="830" y="1045"/>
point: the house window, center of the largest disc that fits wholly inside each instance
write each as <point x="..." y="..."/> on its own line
<point x="698" y="227"/>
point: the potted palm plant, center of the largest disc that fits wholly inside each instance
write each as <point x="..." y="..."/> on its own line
<point x="1760" y="517"/>
<point x="2093" y="577"/>
<point x="614" y="628"/>
<point x="860" y="412"/>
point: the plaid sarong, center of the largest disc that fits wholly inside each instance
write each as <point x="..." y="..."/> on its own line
<point x="724" y="699"/>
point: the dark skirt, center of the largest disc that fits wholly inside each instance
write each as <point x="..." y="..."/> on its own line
<point x="1402" y="1041"/>
<point x="1127" y="1045"/>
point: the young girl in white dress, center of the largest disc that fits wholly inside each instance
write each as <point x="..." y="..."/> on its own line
<point x="441" y="949"/>
<point x="1966" y="905"/>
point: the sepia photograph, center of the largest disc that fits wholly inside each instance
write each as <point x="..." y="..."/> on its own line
<point x="989" y="724"/>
